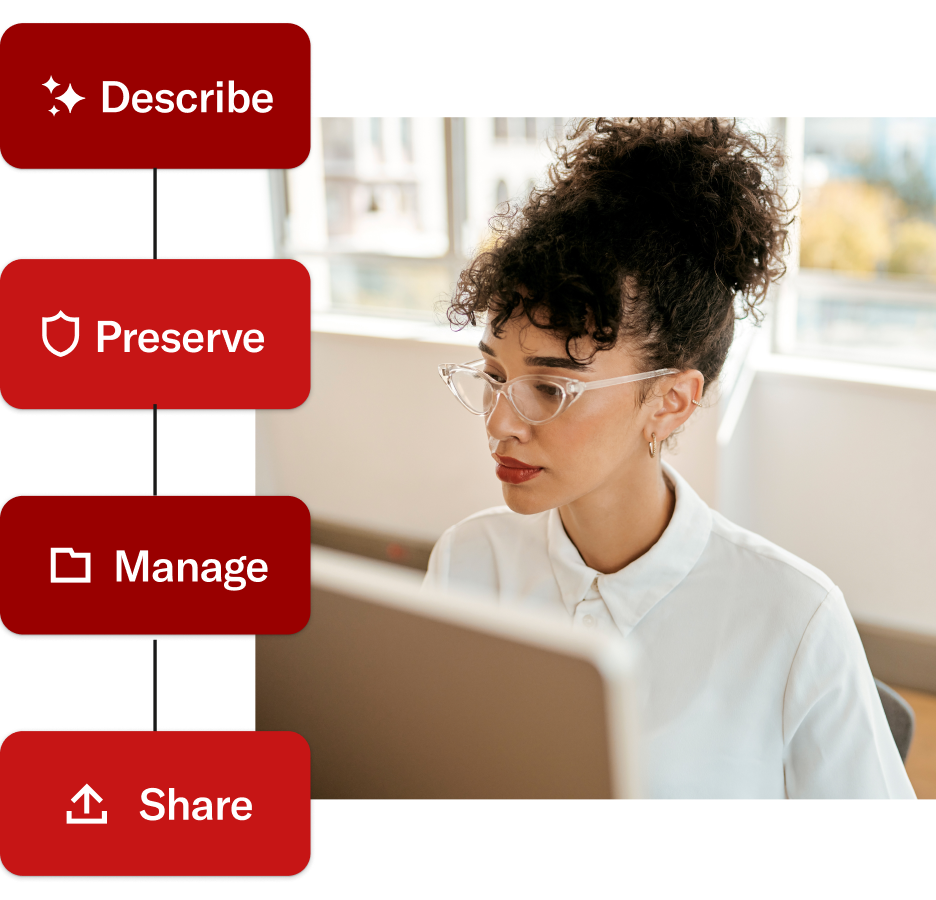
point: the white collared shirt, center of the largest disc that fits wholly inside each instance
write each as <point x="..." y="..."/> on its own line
<point x="757" y="682"/>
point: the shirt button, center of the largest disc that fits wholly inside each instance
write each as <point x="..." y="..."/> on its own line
<point x="588" y="621"/>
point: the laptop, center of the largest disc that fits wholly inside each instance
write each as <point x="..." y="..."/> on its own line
<point x="410" y="693"/>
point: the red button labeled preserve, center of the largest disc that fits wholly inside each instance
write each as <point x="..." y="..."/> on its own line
<point x="155" y="803"/>
<point x="96" y="96"/>
<point x="180" y="333"/>
<point x="155" y="565"/>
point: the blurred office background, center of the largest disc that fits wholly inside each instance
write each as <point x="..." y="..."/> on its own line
<point x="821" y="432"/>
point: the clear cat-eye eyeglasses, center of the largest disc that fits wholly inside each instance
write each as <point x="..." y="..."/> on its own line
<point x="535" y="398"/>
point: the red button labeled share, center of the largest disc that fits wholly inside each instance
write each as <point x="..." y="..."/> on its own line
<point x="155" y="803"/>
<point x="180" y="333"/>
<point x="155" y="565"/>
<point x="191" y="96"/>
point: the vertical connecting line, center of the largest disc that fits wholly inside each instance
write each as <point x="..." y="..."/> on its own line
<point x="154" y="214"/>
<point x="154" y="449"/>
<point x="155" y="414"/>
<point x="154" y="684"/>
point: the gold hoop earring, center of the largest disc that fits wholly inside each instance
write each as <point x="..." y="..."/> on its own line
<point x="652" y="445"/>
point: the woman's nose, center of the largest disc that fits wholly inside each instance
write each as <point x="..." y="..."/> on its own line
<point x="502" y="421"/>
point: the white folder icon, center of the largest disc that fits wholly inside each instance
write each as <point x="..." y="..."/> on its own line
<point x="70" y="579"/>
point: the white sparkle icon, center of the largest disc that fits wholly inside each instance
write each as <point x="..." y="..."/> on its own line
<point x="54" y="110"/>
<point x="70" y="97"/>
<point x="51" y="84"/>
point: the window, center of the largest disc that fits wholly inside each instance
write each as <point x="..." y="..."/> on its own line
<point x="386" y="212"/>
<point x="866" y="286"/>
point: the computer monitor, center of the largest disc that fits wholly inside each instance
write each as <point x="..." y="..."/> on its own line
<point x="405" y="693"/>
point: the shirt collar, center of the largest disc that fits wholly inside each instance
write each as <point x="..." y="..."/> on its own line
<point x="633" y="591"/>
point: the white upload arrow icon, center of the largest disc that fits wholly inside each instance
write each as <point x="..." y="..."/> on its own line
<point x="87" y="792"/>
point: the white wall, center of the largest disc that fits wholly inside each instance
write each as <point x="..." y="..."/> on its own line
<point x="841" y="473"/>
<point x="381" y="443"/>
<point x="838" y="472"/>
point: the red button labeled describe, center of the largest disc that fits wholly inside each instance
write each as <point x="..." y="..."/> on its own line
<point x="155" y="803"/>
<point x="180" y="333"/>
<point x="155" y="565"/>
<point x="108" y="96"/>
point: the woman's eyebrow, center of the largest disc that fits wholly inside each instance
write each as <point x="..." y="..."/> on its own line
<point x="548" y="362"/>
<point x="557" y="362"/>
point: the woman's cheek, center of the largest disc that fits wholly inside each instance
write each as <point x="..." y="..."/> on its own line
<point x="604" y="449"/>
<point x="579" y="455"/>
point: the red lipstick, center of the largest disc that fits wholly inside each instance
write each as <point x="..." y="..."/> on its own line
<point x="513" y="471"/>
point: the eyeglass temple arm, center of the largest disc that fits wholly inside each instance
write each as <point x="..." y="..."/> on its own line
<point x="624" y="379"/>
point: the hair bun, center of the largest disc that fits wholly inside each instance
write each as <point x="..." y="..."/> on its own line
<point x="703" y="187"/>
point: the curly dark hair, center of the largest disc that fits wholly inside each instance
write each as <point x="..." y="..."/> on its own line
<point x="657" y="232"/>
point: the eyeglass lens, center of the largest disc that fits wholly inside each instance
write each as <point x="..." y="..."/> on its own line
<point x="536" y="399"/>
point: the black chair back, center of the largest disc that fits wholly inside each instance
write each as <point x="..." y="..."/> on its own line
<point x="899" y="716"/>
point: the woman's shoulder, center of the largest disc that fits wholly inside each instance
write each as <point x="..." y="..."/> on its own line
<point x="477" y="550"/>
<point x="755" y="552"/>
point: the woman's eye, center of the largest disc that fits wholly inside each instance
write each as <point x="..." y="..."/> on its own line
<point x="496" y="376"/>
<point x="550" y="390"/>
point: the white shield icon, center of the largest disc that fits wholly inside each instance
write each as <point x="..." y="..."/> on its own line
<point x="45" y="334"/>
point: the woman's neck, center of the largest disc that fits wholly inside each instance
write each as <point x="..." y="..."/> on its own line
<point x="613" y="527"/>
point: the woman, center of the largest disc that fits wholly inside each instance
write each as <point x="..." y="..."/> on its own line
<point x="609" y="307"/>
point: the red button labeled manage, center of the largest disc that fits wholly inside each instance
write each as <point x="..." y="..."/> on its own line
<point x="180" y="333"/>
<point x="155" y="803"/>
<point x="119" y="96"/>
<point x="155" y="565"/>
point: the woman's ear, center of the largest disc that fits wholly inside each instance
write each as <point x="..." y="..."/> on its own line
<point x="680" y="400"/>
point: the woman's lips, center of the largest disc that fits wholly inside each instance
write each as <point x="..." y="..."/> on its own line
<point x="513" y="471"/>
